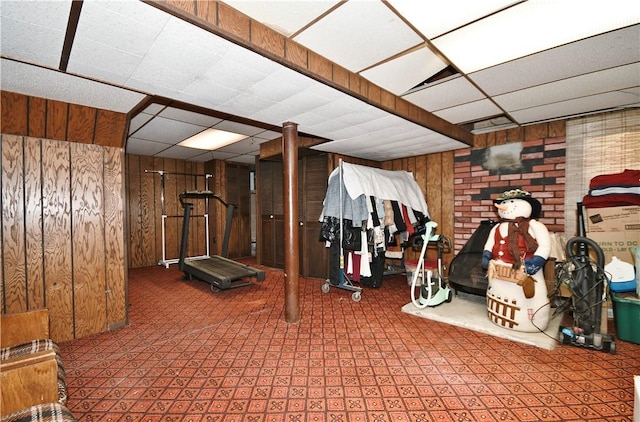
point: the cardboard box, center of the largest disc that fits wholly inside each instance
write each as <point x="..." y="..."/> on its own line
<point x="617" y="244"/>
<point x="616" y="230"/>
<point x="613" y="219"/>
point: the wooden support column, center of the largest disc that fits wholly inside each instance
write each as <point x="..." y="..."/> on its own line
<point x="291" y="230"/>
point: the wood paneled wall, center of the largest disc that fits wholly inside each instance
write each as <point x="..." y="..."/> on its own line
<point x="144" y="179"/>
<point x="434" y="174"/>
<point x="145" y="210"/>
<point x="62" y="244"/>
<point x="60" y="121"/>
<point x="63" y="233"/>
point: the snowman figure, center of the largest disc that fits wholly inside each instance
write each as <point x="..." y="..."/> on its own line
<point x="514" y="256"/>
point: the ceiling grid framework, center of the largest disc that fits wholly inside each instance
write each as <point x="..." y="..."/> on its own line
<point x="177" y="79"/>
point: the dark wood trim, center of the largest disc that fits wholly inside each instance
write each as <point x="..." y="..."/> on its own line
<point x="72" y="27"/>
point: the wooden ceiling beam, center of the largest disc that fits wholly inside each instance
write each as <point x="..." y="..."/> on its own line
<point x="234" y="26"/>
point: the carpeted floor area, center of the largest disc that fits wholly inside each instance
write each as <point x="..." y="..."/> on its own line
<point x="193" y="355"/>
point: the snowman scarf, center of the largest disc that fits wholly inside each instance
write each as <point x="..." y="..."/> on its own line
<point x="519" y="229"/>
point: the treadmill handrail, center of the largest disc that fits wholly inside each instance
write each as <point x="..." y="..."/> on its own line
<point x="202" y="194"/>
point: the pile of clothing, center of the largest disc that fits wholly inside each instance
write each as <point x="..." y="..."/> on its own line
<point x="614" y="190"/>
<point x="375" y="212"/>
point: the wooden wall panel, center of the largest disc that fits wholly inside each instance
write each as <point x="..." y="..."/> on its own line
<point x="88" y="241"/>
<point x="238" y="192"/>
<point x="217" y="211"/>
<point x="81" y="123"/>
<point x="56" y="120"/>
<point x="33" y="222"/>
<point x="110" y="129"/>
<point x="199" y="231"/>
<point x="447" y="219"/>
<point x="116" y="280"/>
<point x="56" y="191"/>
<point x="158" y="164"/>
<point x="134" y="223"/>
<point x="63" y="225"/>
<point x="57" y="113"/>
<point x="14" y="113"/>
<point x="433" y="187"/>
<point x="15" y="287"/>
<point x="172" y="228"/>
<point x="147" y="215"/>
<point x="44" y="260"/>
<point x="434" y="175"/>
<point x="37" y="117"/>
<point x="144" y="209"/>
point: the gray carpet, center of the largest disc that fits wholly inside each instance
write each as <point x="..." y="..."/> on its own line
<point x="470" y="311"/>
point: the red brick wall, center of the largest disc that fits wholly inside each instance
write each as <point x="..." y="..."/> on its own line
<point x="542" y="174"/>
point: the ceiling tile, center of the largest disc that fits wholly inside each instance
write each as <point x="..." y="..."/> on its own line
<point x="240" y="128"/>
<point x="286" y="17"/>
<point x="604" y="51"/>
<point x="168" y="131"/>
<point x="517" y="32"/>
<point x="139" y="146"/>
<point x="359" y="34"/>
<point x="243" y="159"/>
<point x="469" y="112"/>
<point x="280" y="85"/>
<point x="433" y="18"/>
<point x="445" y="94"/>
<point x="245" y="104"/>
<point x="267" y="135"/>
<point x="34" y="31"/>
<point x="138" y="121"/>
<point x="181" y="153"/>
<point x="577" y="106"/>
<point x="189" y="117"/>
<point x="110" y="43"/>
<point x="405" y="72"/>
<point x="204" y="92"/>
<point x="246" y="146"/>
<point x="618" y="78"/>
<point x="59" y="86"/>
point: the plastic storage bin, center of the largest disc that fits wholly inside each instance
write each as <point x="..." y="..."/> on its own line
<point x="626" y="312"/>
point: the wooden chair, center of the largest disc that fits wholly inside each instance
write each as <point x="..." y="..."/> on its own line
<point x="31" y="370"/>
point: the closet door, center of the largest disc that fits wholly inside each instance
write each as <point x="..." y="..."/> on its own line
<point x="270" y="192"/>
<point x="239" y="193"/>
<point x="312" y="188"/>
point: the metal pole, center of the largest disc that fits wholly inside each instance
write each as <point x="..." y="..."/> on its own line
<point x="291" y="229"/>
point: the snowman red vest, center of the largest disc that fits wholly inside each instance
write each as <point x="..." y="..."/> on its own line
<point x="514" y="256"/>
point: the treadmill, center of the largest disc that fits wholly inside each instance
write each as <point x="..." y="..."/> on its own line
<point x="219" y="271"/>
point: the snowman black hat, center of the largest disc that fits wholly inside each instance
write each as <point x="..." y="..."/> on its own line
<point x="536" y="206"/>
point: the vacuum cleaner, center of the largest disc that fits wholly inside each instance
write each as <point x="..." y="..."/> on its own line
<point x="587" y="282"/>
<point x="434" y="290"/>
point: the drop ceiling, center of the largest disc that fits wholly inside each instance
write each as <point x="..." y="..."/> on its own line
<point x="513" y="61"/>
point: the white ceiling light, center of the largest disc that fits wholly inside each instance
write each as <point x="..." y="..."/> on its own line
<point x="212" y="139"/>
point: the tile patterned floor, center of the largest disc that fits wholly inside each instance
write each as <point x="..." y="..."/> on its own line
<point x="193" y="355"/>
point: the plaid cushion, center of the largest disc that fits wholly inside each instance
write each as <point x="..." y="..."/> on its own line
<point x="35" y="346"/>
<point x="49" y="412"/>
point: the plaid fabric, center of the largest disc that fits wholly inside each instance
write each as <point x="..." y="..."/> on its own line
<point x="35" y="346"/>
<point x="49" y="412"/>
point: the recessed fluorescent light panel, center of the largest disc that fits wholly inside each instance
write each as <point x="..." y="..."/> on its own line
<point x="212" y="139"/>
